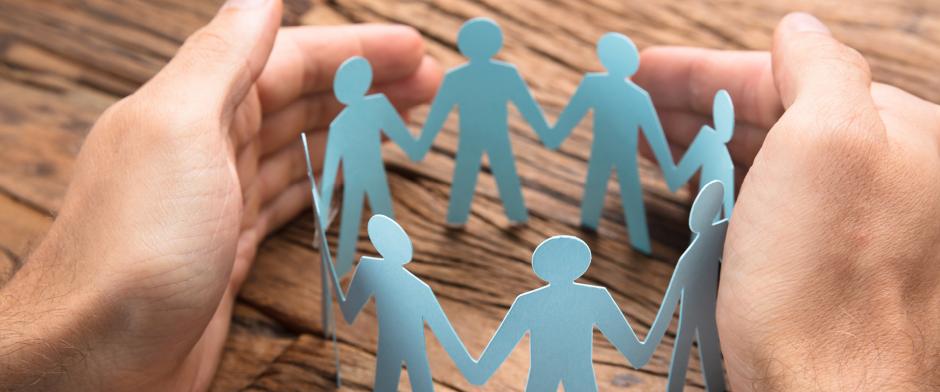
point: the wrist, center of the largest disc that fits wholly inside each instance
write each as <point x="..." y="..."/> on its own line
<point x="56" y="321"/>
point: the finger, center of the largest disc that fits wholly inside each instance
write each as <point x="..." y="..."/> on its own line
<point x="217" y="65"/>
<point x="682" y="127"/>
<point x="305" y="59"/>
<point x="829" y="79"/>
<point x="688" y="78"/>
<point x="285" y="207"/>
<point x="289" y="165"/>
<point x="318" y="110"/>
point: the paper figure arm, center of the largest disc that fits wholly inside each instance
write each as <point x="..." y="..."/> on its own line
<point x="507" y="336"/>
<point x="615" y="327"/>
<point x="331" y="161"/>
<point x="690" y="162"/>
<point x="660" y="323"/>
<point x="576" y="109"/>
<point x="653" y="129"/>
<point x="360" y="289"/>
<point x="396" y="129"/>
<point x="521" y="96"/>
<point x="443" y="104"/>
<point x="447" y="336"/>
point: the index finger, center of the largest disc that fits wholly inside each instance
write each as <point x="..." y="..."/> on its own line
<point x="684" y="78"/>
<point x="304" y="59"/>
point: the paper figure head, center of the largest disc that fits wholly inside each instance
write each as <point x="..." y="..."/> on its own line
<point x="618" y="54"/>
<point x="706" y="206"/>
<point x="352" y="80"/>
<point x="389" y="239"/>
<point x="561" y="259"/>
<point x="479" y="39"/>
<point x="723" y="114"/>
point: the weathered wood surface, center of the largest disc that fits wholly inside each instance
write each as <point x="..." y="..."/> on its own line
<point x="63" y="62"/>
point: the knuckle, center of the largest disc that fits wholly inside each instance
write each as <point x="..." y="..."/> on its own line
<point x="207" y="40"/>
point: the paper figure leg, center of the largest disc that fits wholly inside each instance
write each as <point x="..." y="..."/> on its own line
<point x="729" y="195"/>
<point x="680" y="356"/>
<point x="631" y="196"/>
<point x="464" y="184"/>
<point x="580" y="380"/>
<point x="387" y="369"/>
<point x="349" y="229"/>
<point x="380" y="202"/>
<point x="595" y="188"/>
<point x="710" y="355"/>
<point x="419" y="372"/>
<point x="507" y="180"/>
<point x="543" y="381"/>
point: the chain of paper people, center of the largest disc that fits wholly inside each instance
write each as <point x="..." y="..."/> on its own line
<point x="561" y="340"/>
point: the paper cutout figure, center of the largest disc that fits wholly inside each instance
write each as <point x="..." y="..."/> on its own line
<point x="404" y="303"/>
<point x="560" y="319"/>
<point x="481" y="90"/>
<point x="355" y="141"/>
<point x="694" y="287"/>
<point x="709" y="151"/>
<point x="620" y="109"/>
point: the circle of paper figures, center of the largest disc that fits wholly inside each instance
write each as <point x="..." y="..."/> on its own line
<point x="561" y="341"/>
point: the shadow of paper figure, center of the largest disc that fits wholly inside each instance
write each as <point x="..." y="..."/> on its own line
<point x="621" y="109"/>
<point x="354" y="140"/>
<point x="694" y="287"/>
<point x="560" y="319"/>
<point x="709" y="152"/>
<point x="481" y="91"/>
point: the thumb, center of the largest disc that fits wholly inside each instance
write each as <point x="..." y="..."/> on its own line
<point x="216" y="66"/>
<point x="808" y="63"/>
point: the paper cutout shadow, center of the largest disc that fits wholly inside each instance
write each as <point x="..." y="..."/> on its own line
<point x="621" y="109"/>
<point x="481" y="91"/>
<point x="354" y="140"/>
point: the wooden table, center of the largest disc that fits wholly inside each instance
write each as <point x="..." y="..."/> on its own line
<point x="63" y="62"/>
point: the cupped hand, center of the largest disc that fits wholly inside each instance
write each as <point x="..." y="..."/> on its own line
<point x="831" y="270"/>
<point x="172" y="192"/>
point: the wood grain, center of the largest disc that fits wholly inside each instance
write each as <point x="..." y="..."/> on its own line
<point x="63" y="62"/>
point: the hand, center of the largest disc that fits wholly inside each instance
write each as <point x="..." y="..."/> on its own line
<point x="830" y="272"/>
<point x="174" y="188"/>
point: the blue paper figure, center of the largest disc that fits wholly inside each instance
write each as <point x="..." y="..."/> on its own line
<point x="694" y="287"/>
<point x="620" y="109"/>
<point x="560" y="319"/>
<point x="355" y="141"/>
<point x="481" y="90"/>
<point x="709" y="151"/>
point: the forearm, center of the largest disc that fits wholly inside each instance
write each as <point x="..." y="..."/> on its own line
<point x="52" y="315"/>
<point x="838" y="360"/>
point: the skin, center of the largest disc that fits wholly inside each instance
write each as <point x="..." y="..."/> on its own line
<point x="829" y="279"/>
<point x="133" y="287"/>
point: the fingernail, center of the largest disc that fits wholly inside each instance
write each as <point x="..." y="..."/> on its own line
<point x="803" y="22"/>
<point x="244" y="4"/>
